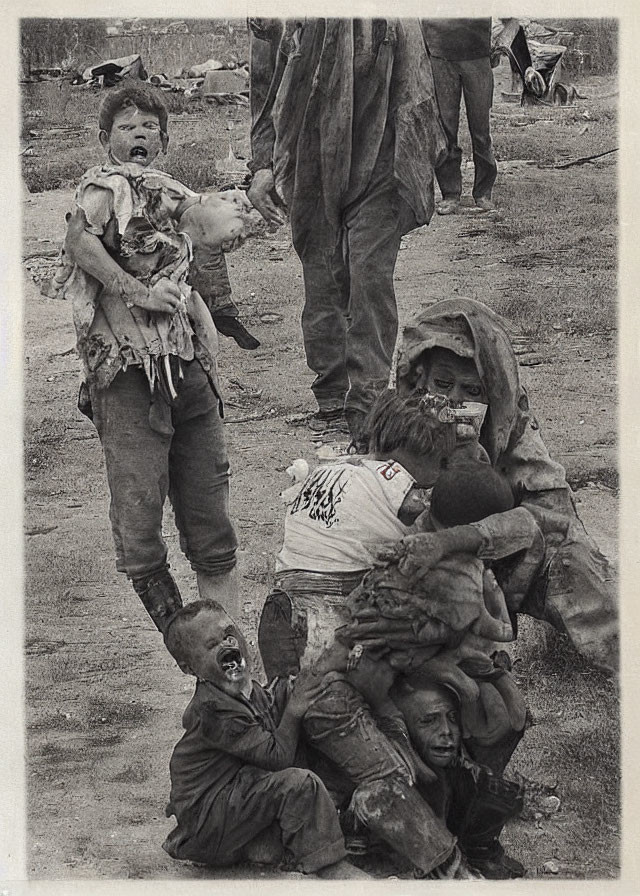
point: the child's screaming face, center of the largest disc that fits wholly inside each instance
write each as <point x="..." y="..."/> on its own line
<point x="135" y="136"/>
<point x="216" y="652"/>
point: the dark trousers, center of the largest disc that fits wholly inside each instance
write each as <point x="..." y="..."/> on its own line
<point x="295" y="799"/>
<point x="187" y="461"/>
<point x="350" y="318"/>
<point x="473" y="79"/>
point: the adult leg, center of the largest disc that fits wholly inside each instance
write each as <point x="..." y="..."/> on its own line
<point x="199" y="489"/>
<point x="448" y="87"/>
<point x="477" y="88"/>
<point x="136" y="460"/>
<point x="324" y="318"/>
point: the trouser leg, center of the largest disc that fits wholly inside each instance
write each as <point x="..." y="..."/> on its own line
<point x="298" y="801"/>
<point x="373" y="230"/>
<point x="136" y="460"/>
<point x="448" y="88"/>
<point x="477" y="87"/>
<point x="324" y="322"/>
<point x="340" y="725"/>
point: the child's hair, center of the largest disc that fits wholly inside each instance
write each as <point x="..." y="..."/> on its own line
<point x="468" y="493"/>
<point x="138" y="94"/>
<point x="175" y="639"/>
<point x="403" y="422"/>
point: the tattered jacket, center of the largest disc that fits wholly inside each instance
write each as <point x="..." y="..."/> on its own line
<point x="132" y="211"/>
<point x="324" y="94"/>
<point x="575" y="586"/>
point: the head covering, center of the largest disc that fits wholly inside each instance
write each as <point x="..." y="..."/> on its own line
<point x="471" y="330"/>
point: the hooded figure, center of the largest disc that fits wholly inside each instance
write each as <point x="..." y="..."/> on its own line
<point x="573" y="586"/>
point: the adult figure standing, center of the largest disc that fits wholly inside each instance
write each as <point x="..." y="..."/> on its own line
<point x="345" y="134"/>
<point x="460" y="57"/>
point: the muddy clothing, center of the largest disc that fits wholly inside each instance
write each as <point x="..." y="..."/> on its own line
<point x="574" y="586"/>
<point x="155" y="443"/>
<point x="460" y="56"/>
<point x="475" y="803"/>
<point x="373" y="774"/>
<point x="230" y="782"/>
<point x="344" y="113"/>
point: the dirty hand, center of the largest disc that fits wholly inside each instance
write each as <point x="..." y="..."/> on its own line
<point x="163" y="296"/>
<point x="372" y="678"/>
<point x="415" y="554"/>
<point x="307" y="686"/>
<point x="260" y="194"/>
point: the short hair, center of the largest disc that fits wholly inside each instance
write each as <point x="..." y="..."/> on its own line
<point x="405" y="422"/>
<point x="469" y="492"/>
<point x="174" y="635"/>
<point x="133" y="93"/>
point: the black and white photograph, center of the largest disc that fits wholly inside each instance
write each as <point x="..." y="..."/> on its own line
<point x="321" y="448"/>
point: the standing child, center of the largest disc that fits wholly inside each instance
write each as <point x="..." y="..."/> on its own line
<point x="148" y="347"/>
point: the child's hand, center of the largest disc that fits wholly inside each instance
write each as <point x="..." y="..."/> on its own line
<point x="307" y="686"/>
<point x="163" y="296"/>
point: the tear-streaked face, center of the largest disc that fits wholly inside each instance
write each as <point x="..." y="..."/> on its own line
<point x="217" y="652"/>
<point x="135" y="136"/>
<point x="433" y="721"/>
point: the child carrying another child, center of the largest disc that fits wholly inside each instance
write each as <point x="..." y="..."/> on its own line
<point x="148" y="347"/>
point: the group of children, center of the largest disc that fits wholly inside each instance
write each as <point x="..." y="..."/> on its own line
<point x="380" y="670"/>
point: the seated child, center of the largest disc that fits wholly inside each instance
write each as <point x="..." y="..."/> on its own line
<point x="474" y="801"/>
<point x="232" y="780"/>
<point x="148" y="347"/>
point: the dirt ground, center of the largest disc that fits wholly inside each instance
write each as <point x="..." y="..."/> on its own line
<point x="104" y="699"/>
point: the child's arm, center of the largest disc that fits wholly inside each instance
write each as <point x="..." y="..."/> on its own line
<point x="87" y="251"/>
<point x="246" y="739"/>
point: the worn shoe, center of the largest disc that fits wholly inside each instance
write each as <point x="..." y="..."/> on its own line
<point x="448" y="206"/>
<point x="332" y="420"/>
<point x="453" y="868"/>
<point x="231" y="326"/>
<point x="485" y="204"/>
<point x="503" y="867"/>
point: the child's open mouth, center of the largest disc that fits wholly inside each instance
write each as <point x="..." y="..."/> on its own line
<point x="138" y="153"/>
<point x="230" y="660"/>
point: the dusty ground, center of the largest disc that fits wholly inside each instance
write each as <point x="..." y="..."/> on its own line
<point x="104" y="699"/>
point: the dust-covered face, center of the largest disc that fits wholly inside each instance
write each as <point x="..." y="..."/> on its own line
<point x="433" y="721"/>
<point x="135" y="136"/>
<point x="445" y="373"/>
<point x="216" y="651"/>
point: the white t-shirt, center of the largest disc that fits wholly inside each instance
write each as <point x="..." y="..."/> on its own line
<point x="341" y="513"/>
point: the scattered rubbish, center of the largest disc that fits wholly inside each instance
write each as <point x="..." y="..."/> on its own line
<point x="550" y="867"/>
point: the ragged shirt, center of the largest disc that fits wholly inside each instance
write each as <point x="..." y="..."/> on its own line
<point x="222" y="735"/>
<point x="327" y="96"/>
<point x="132" y="211"/>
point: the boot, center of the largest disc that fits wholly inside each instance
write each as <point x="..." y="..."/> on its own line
<point x="159" y="595"/>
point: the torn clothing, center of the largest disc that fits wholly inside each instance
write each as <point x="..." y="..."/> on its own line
<point x="132" y="211"/>
<point x="230" y="781"/>
<point x="153" y="451"/>
<point x="575" y="586"/>
<point x="344" y="112"/>
<point x="403" y="608"/>
<point x="377" y="774"/>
